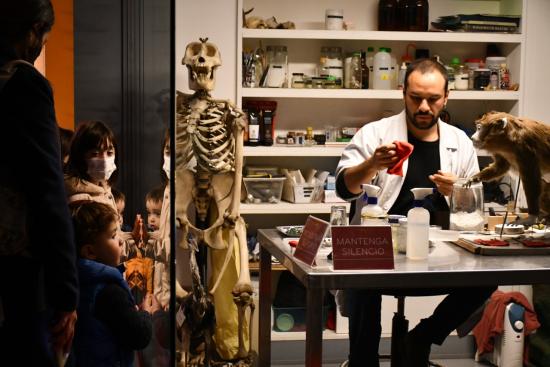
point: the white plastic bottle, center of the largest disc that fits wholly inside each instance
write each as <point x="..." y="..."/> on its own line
<point x="382" y="70"/>
<point x="372" y="214"/>
<point x="418" y="226"/>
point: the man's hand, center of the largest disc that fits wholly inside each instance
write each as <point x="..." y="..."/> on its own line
<point x="444" y="182"/>
<point x="385" y="156"/>
<point x="63" y="332"/>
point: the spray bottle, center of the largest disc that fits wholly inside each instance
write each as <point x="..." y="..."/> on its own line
<point x="372" y="214"/>
<point x="418" y="226"/>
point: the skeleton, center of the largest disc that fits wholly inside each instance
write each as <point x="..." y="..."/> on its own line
<point x="209" y="158"/>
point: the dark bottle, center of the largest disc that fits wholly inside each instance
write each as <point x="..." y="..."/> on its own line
<point x="364" y="71"/>
<point x="387" y="15"/>
<point x="253" y="128"/>
<point x="419" y="15"/>
<point x="266" y="128"/>
<point x="403" y="14"/>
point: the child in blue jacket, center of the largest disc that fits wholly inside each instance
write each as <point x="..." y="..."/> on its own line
<point x="110" y="327"/>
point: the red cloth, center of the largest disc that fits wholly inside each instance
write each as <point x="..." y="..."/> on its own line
<point x="492" y="321"/>
<point x="404" y="150"/>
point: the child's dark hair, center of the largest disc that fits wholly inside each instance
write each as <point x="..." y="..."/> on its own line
<point x="118" y="195"/>
<point x="90" y="135"/>
<point x="90" y="219"/>
<point x="156" y="194"/>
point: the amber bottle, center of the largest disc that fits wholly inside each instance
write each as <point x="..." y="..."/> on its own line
<point x="418" y="15"/>
<point x="387" y="15"/>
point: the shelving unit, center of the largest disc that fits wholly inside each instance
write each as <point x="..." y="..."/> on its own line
<point x="299" y="108"/>
<point x="319" y="108"/>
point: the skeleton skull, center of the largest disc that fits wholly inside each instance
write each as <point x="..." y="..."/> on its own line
<point x="202" y="59"/>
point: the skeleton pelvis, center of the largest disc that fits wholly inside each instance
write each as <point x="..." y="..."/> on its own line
<point x="221" y="190"/>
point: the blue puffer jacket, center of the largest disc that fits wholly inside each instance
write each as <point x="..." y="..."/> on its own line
<point x="94" y="345"/>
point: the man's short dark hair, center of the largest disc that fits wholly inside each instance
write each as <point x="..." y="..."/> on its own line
<point x="425" y="66"/>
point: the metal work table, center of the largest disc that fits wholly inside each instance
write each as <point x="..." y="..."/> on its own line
<point x="447" y="266"/>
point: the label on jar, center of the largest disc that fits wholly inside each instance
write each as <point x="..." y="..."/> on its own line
<point x="254" y="133"/>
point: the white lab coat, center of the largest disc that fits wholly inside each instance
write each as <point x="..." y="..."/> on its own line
<point x="456" y="152"/>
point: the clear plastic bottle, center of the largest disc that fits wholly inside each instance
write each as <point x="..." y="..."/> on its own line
<point x="418" y="227"/>
<point x="382" y="70"/>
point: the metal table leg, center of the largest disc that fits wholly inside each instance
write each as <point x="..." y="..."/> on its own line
<point x="264" y="337"/>
<point x="314" y="328"/>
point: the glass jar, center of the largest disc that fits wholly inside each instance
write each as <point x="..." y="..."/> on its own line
<point x="482" y="78"/>
<point x="317" y="82"/>
<point x="393" y="220"/>
<point x="355" y="81"/>
<point x="401" y="236"/>
<point x="387" y="15"/>
<point x="331" y="64"/>
<point x="467" y="207"/>
<point x="277" y="59"/>
<point x="298" y="80"/>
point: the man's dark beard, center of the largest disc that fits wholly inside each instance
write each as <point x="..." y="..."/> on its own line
<point x="412" y="119"/>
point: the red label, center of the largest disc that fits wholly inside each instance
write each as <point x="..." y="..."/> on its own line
<point x="313" y="234"/>
<point x="362" y="247"/>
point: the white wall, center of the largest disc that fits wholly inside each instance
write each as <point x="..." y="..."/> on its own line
<point x="537" y="69"/>
<point x="217" y="20"/>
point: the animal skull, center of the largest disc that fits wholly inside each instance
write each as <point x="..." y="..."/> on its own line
<point x="202" y="59"/>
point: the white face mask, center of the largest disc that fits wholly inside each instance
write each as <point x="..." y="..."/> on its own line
<point x="166" y="166"/>
<point x="101" y="169"/>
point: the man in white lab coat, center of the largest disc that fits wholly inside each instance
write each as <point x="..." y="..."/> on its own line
<point x="441" y="154"/>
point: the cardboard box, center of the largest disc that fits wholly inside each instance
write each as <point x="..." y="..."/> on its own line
<point x="302" y="193"/>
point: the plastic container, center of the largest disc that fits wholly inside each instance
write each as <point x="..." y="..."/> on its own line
<point x="493" y="62"/>
<point x="382" y="70"/>
<point x="466" y="207"/>
<point x="418" y="227"/>
<point x="264" y="190"/>
<point x="334" y="19"/>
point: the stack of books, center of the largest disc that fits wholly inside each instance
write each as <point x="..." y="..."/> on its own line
<point x="478" y="23"/>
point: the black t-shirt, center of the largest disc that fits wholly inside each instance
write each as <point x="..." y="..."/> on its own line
<point x="423" y="162"/>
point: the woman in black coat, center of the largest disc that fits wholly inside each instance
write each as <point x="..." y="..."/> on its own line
<point x="38" y="282"/>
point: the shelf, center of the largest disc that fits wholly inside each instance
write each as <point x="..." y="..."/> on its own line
<point x="371" y="94"/>
<point x="382" y="36"/>
<point x="301" y="335"/>
<point x="289" y="208"/>
<point x="293" y="151"/>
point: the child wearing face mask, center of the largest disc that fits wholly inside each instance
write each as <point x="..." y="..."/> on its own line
<point x="92" y="168"/>
<point x="110" y="326"/>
